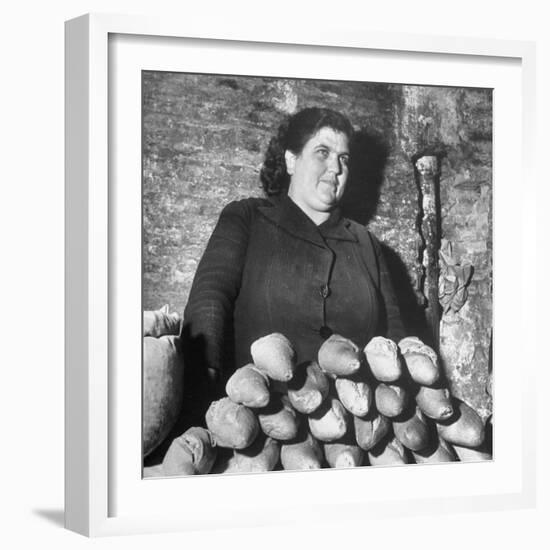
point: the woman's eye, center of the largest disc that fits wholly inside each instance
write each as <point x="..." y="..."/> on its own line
<point x="323" y="153"/>
<point x="344" y="160"/>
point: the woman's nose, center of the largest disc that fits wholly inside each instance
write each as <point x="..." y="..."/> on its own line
<point x="334" y="165"/>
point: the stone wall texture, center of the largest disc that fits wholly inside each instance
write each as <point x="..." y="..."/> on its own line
<point x="204" y="137"/>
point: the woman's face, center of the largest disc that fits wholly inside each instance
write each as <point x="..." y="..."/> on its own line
<point x="318" y="174"/>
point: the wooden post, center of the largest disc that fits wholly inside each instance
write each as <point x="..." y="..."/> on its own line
<point x="429" y="224"/>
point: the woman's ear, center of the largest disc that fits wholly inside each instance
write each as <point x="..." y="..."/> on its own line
<point x="290" y="160"/>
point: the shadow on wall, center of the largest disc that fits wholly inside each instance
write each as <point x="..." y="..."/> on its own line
<point x="369" y="154"/>
<point x="412" y="314"/>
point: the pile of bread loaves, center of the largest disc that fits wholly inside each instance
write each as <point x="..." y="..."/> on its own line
<point x="386" y="404"/>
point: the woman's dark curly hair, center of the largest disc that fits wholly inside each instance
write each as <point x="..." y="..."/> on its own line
<point x="292" y="135"/>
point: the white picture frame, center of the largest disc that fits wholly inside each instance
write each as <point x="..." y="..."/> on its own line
<point x="105" y="494"/>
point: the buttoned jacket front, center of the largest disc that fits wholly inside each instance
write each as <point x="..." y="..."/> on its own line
<point x="268" y="268"/>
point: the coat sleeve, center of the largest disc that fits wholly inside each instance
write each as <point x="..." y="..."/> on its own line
<point x="208" y="317"/>
<point x="391" y="323"/>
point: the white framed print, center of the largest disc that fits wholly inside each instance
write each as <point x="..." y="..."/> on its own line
<point x="171" y="130"/>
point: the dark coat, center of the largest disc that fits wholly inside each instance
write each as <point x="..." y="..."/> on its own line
<point x="268" y="268"/>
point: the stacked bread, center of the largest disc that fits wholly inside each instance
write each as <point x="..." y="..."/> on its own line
<point x="386" y="404"/>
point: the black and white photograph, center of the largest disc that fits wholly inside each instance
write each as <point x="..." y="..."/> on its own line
<point x="274" y="275"/>
<point x="317" y="274"/>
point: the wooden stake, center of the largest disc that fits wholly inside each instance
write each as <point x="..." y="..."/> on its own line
<point x="427" y="171"/>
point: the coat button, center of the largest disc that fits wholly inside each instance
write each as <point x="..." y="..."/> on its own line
<point x="325" y="332"/>
<point x="324" y="291"/>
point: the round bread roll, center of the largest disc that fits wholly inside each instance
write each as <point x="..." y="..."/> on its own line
<point x="274" y="356"/>
<point x="249" y="387"/>
<point x="339" y="356"/>
<point x="383" y="359"/>
<point x="231" y="425"/>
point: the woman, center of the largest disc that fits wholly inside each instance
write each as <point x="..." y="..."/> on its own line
<point x="290" y="263"/>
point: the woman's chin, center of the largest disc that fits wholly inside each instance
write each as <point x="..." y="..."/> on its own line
<point x="329" y="202"/>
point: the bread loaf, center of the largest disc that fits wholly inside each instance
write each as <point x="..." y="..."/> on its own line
<point x="343" y="455"/>
<point x="388" y="452"/>
<point x="279" y="420"/>
<point x="261" y="456"/>
<point x="390" y="399"/>
<point x="383" y="359"/>
<point x="339" y="356"/>
<point x="230" y="424"/>
<point x="466" y="454"/>
<point x="370" y="430"/>
<point x="435" y="402"/>
<point x="303" y="453"/>
<point x="274" y="356"/>
<point x="355" y="395"/>
<point x="421" y="361"/>
<point x="437" y="451"/>
<point x="309" y="388"/>
<point x="328" y="422"/>
<point x="464" y="428"/>
<point x="249" y="387"/>
<point x="412" y="430"/>
<point x="191" y="453"/>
